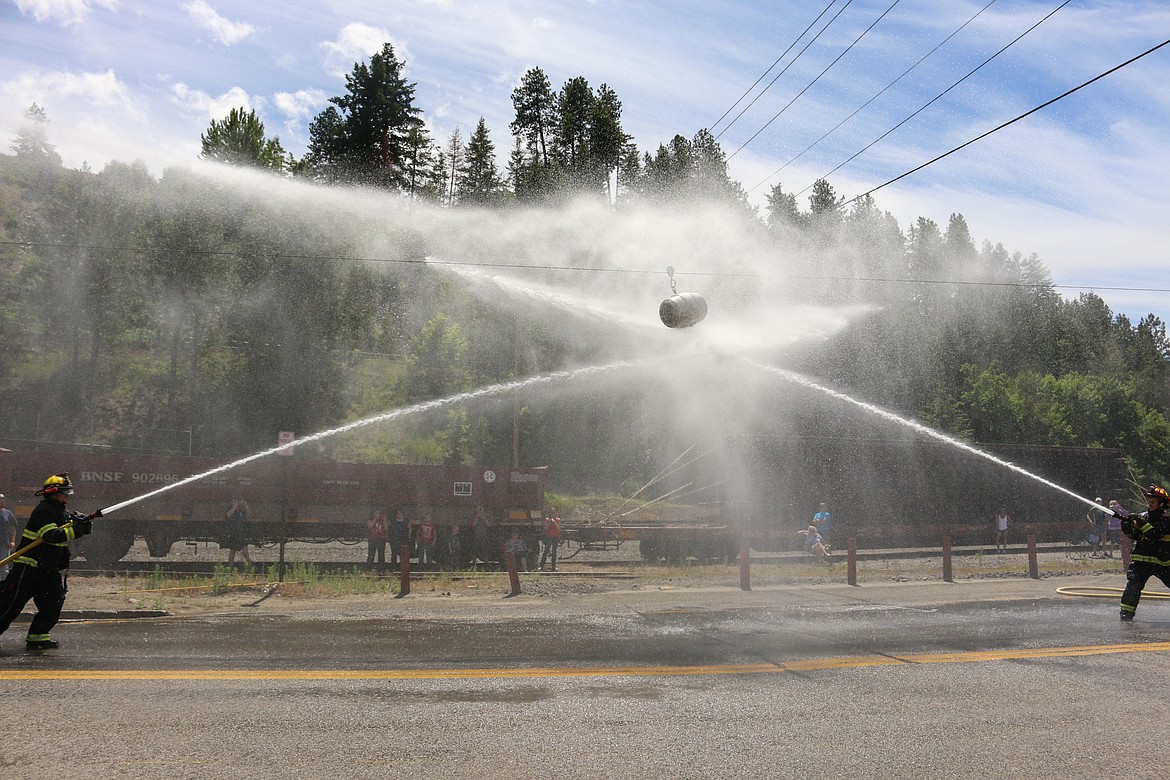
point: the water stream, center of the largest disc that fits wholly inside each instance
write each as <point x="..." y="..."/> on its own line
<point x="920" y="428"/>
<point x="407" y="411"/>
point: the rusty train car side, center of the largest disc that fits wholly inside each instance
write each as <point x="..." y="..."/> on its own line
<point x="289" y="498"/>
<point x="908" y="493"/>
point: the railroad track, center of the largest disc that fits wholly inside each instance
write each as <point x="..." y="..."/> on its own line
<point x="594" y="569"/>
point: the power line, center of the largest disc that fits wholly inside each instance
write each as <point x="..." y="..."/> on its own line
<point x="599" y="269"/>
<point x="781" y="73"/>
<point x="941" y="94"/>
<point x="818" y="78"/>
<point x="1013" y="121"/>
<point x="884" y="89"/>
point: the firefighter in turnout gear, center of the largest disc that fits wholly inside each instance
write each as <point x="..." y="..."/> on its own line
<point x="38" y="573"/>
<point x="1151" y="553"/>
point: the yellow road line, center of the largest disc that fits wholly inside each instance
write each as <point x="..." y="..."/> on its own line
<point x="817" y="664"/>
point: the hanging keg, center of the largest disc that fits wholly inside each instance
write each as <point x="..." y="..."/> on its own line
<point x="682" y="310"/>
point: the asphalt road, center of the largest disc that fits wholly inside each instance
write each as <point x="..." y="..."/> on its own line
<point x="990" y="680"/>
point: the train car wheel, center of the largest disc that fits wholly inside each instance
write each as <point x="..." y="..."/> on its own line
<point x="158" y="541"/>
<point x="106" y="546"/>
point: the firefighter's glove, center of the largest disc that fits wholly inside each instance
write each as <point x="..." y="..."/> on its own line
<point x="82" y="525"/>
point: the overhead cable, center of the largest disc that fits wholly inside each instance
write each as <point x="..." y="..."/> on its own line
<point x="862" y="107"/>
<point x="941" y="94"/>
<point x="824" y="11"/>
<point x="1012" y="121"/>
<point x="599" y="269"/>
<point x="818" y="78"/>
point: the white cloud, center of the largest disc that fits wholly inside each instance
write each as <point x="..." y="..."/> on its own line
<point x="96" y="117"/>
<point x="49" y="88"/>
<point x="196" y="101"/>
<point x="356" y="42"/>
<point x="67" y="12"/>
<point x="300" y="105"/>
<point x="225" y="31"/>
<point x="298" y="109"/>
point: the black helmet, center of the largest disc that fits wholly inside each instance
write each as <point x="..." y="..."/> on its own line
<point x="58" y="483"/>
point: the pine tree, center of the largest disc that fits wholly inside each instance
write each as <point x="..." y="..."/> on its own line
<point x="782" y="209"/>
<point x="368" y="140"/>
<point x="239" y="139"/>
<point x="607" y="139"/>
<point x="456" y="150"/>
<point x="31" y="142"/>
<point x="480" y="182"/>
<point x="574" y="110"/>
<point x="419" y="162"/>
<point x="536" y="113"/>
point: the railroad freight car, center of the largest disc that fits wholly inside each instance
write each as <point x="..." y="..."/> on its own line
<point x="912" y="493"/>
<point x="289" y="498"/>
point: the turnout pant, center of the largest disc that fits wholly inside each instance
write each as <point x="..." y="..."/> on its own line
<point x="46" y="589"/>
<point x="1135" y="580"/>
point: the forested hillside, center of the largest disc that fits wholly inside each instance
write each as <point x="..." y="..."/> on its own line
<point x="189" y="314"/>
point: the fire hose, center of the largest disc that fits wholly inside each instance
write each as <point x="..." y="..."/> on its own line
<point x="1100" y="592"/>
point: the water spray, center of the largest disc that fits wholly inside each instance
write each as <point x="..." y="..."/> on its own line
<point x="681" y="310"/>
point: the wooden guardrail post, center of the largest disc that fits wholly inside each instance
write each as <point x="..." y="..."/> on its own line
<point x="851" y="565"/>
<point x="1033" y="564"/>
<point x="513" y="574"/>
<point x="403" y="571"/>
<point x="947" y="573"/>
<point x="745" y="564"/>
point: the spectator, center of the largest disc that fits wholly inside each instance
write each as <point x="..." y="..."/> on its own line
<point x="376" y="538"/>
<point x="1113" y="528"/>
<point x="821" y="522"/>
<point x="479" y="536"/>
<point x="551" y="539"/>
<point x="235" y="537"/>
<point x="1001" y="520"/>
<point x="1096" y="521"/>
<point x="9" y="532"/>
<point x="814" y="544"/>
<point x="399" y="538"/>
<point x="426" y="541"/>
<point x="516" y="546"/>
<point x="455" y="546"/>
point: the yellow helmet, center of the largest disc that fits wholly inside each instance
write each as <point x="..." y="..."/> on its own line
<point x="58" y="483"/>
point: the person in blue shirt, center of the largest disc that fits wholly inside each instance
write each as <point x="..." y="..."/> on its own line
<point x="821" y="521"/>
<point x="813" y="544"/>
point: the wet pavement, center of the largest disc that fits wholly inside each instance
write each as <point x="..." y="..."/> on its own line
<point x="987" y="679"/>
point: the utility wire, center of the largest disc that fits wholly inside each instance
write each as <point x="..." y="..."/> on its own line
<point x="598" y="269"/>
<point x="814" y="81"/>
<point x="1012" y="121"/>
<point x="941" y="94"/>
<point x="769" y="70"/>
<point x="862" y="107"/>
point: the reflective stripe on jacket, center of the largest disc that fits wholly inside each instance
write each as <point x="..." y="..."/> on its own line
<point x="45" y="524"/>
<point x="1153" y="538"/>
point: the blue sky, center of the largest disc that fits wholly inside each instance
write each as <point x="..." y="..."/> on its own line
<point x="1083" y="183"/>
